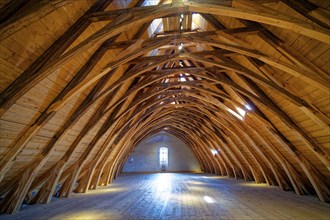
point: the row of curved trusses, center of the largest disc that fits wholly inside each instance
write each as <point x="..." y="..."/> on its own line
<point x="150" y="97"/>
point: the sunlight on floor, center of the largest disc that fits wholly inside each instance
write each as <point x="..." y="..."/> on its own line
<point x="105" y="190"/>
<point x="163" y="181"/>
<point x="179" y="196"/>
<point x="253" y="184"/>
<point x="197" y="188"/>
<point x="208" y="199"/>
<point x="84" y="215"/>
<point x="188" y="200"/>
<point x="195" y="182"/>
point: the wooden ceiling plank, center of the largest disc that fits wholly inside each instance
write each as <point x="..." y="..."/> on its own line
<point x="287" y="51"/>
<point x="213" y="21"/>
<point x="105" y="32"/>
<point x="93" y="121"/>
<point x="11" y="202"/>
<point x="314" y="147"/>
<point x="45" y="116"/>
<point x="312" y="111"/>
<point x="314" y="13"/>
<point x="99" y="35"/>
<point x="36" y="72"/>
<point x="45" y="194"/>
<point x="236" y="67"/>
<point x="11" y="8"/>
<point x="288" y="68"/>
<point x="19" y="14"/>
<point x="322" y="156"/>
<point x="292" y="54"/>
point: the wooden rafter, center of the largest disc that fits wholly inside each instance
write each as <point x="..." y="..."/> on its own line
<point x="128" y="86"/>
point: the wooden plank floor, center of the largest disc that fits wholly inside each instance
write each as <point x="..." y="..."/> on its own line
<point x="179" y="196"/>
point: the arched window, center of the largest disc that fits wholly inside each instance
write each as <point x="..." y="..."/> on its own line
<point x="163" y="156"/>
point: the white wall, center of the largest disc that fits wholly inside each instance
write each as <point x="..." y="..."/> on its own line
<point x="145" y="157"/>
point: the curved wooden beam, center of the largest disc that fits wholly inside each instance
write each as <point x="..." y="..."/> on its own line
<point x="117" y="27"/>
<point x="277" y="19"/>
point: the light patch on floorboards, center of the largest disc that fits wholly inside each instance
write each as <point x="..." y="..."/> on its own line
<point x="179" y="196"/>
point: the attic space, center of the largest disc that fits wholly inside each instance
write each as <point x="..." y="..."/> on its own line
<point x="164" y="109"/>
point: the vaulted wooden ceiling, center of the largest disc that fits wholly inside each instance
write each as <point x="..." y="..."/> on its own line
<point x="245" y="84"/>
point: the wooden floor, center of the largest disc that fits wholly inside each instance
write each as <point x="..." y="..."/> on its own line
<point x="179" y="196"/>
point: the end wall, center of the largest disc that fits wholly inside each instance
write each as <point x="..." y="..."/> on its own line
<point x="145" y="157"/>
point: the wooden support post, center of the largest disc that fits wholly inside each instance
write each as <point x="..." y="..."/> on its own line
<point x="315" y="178"/>
<point x="45" y="193"/>
<point x="69" y="184"/>
<point x="103" y="178"/>
<point x="13" y="200"/>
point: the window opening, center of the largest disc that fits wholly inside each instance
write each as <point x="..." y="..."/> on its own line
<point x="163" y="157"/>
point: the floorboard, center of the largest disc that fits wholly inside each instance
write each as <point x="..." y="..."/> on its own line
<point x="179" y="196"/>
